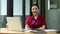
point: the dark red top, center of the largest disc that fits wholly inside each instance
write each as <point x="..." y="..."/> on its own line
<point x="34" y="24"/>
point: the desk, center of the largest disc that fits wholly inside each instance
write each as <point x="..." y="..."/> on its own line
<point x="6" y="31"/>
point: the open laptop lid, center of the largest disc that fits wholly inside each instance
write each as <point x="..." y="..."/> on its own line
<point x="14" y="23"/>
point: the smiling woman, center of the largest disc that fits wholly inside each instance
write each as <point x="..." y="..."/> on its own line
<point x="35" y="21"/>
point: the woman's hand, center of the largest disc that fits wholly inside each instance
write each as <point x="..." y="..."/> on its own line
<point x="27" y="27"/>
<point x="42" y="28"/>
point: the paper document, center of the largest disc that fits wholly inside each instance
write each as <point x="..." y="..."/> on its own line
<point x="26" y="30"/>
<point x="50" y="30"/>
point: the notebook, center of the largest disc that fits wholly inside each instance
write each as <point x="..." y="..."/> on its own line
<point x="14" y="23"/>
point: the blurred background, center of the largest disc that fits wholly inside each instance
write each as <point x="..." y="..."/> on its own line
<point x="50" y="9"/>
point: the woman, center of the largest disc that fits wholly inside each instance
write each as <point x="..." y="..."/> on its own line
<point x="35" y="21"/>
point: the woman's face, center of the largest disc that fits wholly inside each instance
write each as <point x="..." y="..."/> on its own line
<point x="35" y="10"/>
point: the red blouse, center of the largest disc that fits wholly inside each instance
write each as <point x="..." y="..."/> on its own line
<point x="34" y="24"/>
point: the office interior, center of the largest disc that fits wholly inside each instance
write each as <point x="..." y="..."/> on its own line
<point x="50" y="9"/>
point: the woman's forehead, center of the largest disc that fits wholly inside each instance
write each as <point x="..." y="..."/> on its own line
<point x="34" y="7"/>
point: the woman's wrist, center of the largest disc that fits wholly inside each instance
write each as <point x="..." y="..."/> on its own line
<point x="41" y="28"/>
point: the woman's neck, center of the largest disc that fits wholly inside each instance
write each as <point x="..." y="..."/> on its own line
<point x="35" y="16"/>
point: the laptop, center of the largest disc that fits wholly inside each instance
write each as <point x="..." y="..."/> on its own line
<point x="14" y="23"/>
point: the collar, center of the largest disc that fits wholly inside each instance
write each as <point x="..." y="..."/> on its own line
<point x="34" y="18"/>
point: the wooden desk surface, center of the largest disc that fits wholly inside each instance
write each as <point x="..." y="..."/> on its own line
<point x="6" y="31"/>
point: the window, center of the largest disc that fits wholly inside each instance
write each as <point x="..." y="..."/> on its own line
<point x="17" y="7"/>
<point x="27" y="7"/>
<point x="3" y="7"/>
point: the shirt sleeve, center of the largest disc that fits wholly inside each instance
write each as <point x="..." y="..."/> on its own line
<point x="44" y="22"/>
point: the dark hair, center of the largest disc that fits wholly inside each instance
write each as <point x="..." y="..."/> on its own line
<point x="35" y="5"/>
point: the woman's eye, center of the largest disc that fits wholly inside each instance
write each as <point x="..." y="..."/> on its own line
<point x="35" y="9"/>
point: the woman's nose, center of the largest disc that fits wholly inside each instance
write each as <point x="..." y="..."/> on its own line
<point x="34" y="10"/>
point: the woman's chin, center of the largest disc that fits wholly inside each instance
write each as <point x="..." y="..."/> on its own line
<point x="34" y="14"/>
